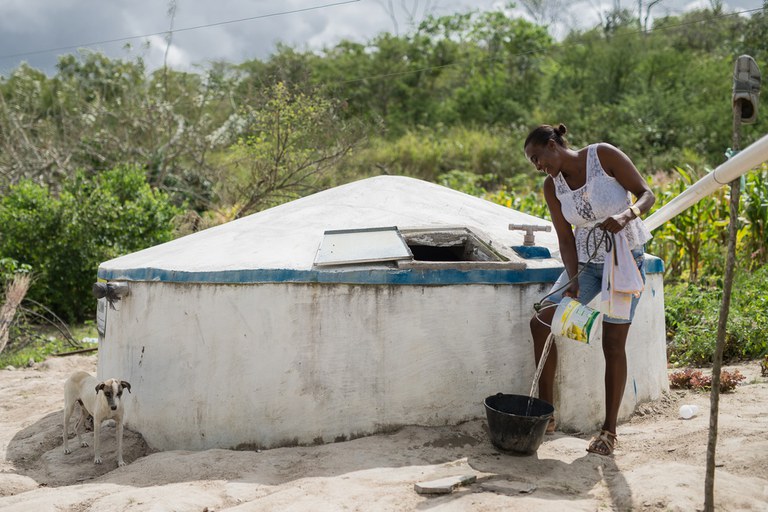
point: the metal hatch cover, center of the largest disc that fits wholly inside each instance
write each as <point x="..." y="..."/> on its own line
<point x="368" y="245"/>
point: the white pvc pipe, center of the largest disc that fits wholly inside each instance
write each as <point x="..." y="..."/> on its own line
<point x="739" y="164"/>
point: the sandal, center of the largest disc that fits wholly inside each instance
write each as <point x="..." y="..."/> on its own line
<point x="603" y="444"/>
<point x="550" y="426"/>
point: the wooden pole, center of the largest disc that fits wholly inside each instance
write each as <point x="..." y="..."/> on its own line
<point x="717" y="362"/>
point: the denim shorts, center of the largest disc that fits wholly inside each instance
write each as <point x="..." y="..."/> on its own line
<point x="590" y="285"/>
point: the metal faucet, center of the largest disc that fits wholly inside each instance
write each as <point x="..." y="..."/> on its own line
<point x="528" y="239"/>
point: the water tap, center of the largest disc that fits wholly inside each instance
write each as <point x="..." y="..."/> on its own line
<point x="528" y="239"/>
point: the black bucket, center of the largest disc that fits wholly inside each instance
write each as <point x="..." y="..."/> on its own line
<point x="512" y="426"/>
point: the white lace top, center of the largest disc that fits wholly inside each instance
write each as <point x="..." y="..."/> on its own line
<point x="599" y="198"/>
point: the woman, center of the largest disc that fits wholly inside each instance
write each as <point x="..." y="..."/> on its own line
<point x="586" y="188"/>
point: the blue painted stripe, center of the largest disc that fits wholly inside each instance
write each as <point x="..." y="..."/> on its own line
<point x="370" y="276"/>
<point x="653" y="265"/>
<point x="377" y="276"/>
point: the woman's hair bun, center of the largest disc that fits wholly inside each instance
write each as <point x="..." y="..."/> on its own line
<point x="561" y="129"/>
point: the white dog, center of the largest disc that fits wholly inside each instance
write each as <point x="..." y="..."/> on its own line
<point x="103" y="401"/>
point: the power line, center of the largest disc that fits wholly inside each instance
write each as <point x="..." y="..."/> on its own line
<point x="185" y="29"/>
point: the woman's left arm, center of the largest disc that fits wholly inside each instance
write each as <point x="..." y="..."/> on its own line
<point x="618" y="165"/>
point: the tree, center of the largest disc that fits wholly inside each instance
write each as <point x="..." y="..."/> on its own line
<point x="289" y="143"/>
<point x="411" y="11"/>
<point x="543" y="12"/>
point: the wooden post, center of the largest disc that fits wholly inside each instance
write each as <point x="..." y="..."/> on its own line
<point x="717" y="362"/>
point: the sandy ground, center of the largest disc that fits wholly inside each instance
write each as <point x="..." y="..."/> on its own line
<point x="659" y="464"/>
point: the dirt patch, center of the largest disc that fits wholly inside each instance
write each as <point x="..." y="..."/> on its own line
<point x="659" y="463"/>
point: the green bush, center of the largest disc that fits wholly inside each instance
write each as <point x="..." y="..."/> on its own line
<point x="693" y="312"/>
<point x="427" y="153"/>
<point x="516" y="192"/>
<point x="467" y="182"/>
<point x="531" y="202"/>
<point x="65" y="238"/>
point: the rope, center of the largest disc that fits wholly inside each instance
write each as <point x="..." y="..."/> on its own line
<point x="605" y="239"/>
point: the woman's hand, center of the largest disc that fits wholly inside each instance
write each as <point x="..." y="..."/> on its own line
<point x="616" y="223"/>
<point x="573" y="290"/>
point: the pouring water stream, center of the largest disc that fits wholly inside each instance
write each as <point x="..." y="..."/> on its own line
<point x="539" y="369"/>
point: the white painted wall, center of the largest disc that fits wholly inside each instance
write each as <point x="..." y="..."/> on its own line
<point x="217" y="366"/>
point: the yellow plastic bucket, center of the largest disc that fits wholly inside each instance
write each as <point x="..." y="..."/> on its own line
<point x="575" y="321"/>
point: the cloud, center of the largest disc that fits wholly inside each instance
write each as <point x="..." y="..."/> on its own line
<point x="38" y="31"/>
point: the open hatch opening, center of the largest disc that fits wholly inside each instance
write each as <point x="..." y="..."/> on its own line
<point x="445" y="245"/>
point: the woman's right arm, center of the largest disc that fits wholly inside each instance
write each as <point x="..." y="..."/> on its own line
<point x="565" y="238"/>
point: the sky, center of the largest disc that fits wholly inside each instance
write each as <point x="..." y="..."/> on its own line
<point x="39" y="31"/>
